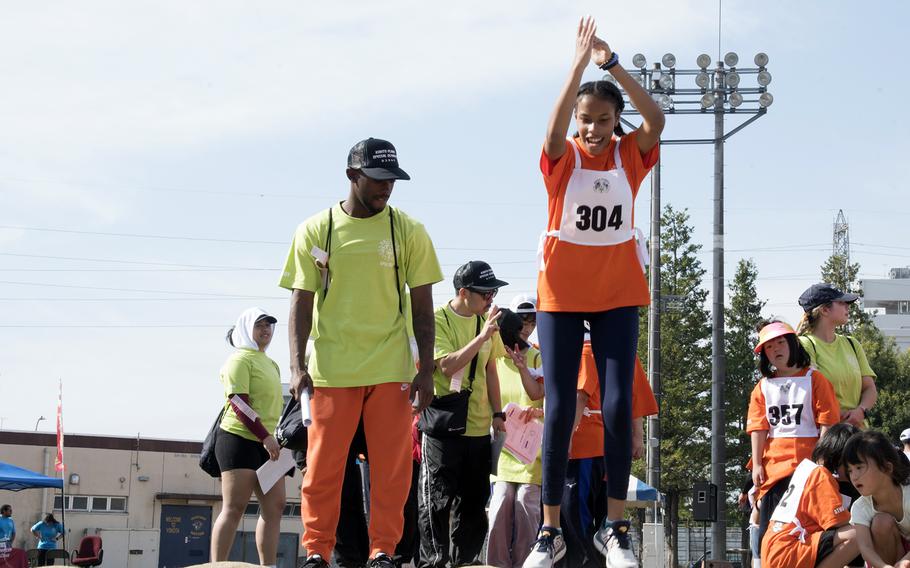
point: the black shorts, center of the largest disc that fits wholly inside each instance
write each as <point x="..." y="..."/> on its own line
<point x="825" y="545"/>
<point x="236" y="452"/>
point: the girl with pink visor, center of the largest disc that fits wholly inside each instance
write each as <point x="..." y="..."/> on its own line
<point x="791" y="407"/>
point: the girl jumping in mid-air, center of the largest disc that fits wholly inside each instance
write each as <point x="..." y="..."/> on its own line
<point x="591" y="271"/>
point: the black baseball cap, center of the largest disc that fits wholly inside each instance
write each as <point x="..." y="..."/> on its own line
<point x="820" y="294"/>
<point x="510" y="326"/>
<point x="477" y="275"/>
<point x="377" y="159"/>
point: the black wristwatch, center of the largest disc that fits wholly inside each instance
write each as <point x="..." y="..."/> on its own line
<point x="865" y="412"/>
<point x="499" y="415"/>
<point x="610" y="63"/>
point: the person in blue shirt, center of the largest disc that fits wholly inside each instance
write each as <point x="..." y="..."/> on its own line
<point x="47" y="531"/>
<point x="7" y="525"/>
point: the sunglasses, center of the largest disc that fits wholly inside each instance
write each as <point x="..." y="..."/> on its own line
<point x="528" y="318"/>
<point x="486" y="294"/>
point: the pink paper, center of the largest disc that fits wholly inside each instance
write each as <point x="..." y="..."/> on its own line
<point x="522" y="439"/>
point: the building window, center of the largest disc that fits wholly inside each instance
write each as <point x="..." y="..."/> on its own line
<point x="92" y="504"/>
<point x="291" y="510"/>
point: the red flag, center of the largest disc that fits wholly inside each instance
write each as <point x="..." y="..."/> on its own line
<point x="58" y="463"/>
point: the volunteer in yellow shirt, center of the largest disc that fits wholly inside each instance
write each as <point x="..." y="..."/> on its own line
<point x="244" y="440"/>
<point x="839" y="357"/>
<point x="351" y="263"/>
<point x="456" y="465"/>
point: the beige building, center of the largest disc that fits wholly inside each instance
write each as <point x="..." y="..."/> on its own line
<point x="147" y="499"/>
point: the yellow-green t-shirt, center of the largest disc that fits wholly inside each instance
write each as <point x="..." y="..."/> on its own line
<point x="252" y="372"/>
<point x="453" y="332"/>
<point x="511" y="390"/>
<point x="359" y="335"/>
<point x="841" y="365"/>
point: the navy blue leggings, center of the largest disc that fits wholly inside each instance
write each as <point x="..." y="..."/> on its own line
<point x="614" y="340"/>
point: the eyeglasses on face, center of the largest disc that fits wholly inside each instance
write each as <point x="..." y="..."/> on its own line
<point x="486" y="294"/>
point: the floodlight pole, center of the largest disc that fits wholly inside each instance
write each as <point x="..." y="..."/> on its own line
<point x="718" y="359"/>
<point x="720" y="92"/>
<point x="653" y="436"/>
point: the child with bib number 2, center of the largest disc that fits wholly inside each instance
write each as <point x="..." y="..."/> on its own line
<point x="591" y="269"/>
<point x="791" y="407"/>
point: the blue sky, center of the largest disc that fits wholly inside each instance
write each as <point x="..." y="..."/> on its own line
<point x="222" y="126"/>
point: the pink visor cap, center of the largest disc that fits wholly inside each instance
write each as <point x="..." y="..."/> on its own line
<point x="771" y="331"/>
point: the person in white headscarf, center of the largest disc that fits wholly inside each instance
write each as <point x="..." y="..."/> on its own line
<point x="252" y="388"/>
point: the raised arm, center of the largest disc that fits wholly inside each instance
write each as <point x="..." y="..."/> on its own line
<point x="555" y="143"/>
<point x="457" y="360"/>
<point x="652" y="118"/>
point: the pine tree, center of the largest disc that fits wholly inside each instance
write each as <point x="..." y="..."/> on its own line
<point x="741" y="317"/>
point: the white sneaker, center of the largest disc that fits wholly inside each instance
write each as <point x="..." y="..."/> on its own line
<point x="547" y="551"/>
<point x="614" y="542"/>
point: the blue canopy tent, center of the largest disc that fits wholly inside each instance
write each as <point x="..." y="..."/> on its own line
<point x="13" y="478"/>
<point x="641" y="494"/>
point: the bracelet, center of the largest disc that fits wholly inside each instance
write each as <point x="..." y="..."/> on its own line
<point x="501" y="415"/>
<point x="611" y="63"/>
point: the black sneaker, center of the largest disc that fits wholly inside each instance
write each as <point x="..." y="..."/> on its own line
<point x="314" y="561"/>
<point x="381" y="560"/>
<point x="547" y="551"/>
<point x="614" y="542"/>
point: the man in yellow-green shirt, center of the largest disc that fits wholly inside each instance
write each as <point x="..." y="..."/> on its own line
<point x="455" y="469"/>
<point x="351" y="262"/>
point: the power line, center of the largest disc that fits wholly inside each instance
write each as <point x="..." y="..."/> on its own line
<point x="215" y="240"/>
<point x="43" y="284"/>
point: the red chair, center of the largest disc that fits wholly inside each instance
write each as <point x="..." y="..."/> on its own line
<point x="89" y="552"/>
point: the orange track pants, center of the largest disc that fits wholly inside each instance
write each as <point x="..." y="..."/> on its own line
<point x="387" y="419"/>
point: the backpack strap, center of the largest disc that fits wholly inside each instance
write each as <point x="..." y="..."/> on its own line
<point x="395" y="256"/>
<point x="815" y="350"/>
<point x="473" y="369"/>
<point x="328" y="252"/>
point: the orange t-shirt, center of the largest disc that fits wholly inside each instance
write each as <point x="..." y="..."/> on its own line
<point x="588" y="439"/>
<point x="579" y="278"/>
<point x="820" y="508"/>
<point x="782" y="455"/>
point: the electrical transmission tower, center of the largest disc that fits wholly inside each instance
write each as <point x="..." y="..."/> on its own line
<point x="841" y="243"/>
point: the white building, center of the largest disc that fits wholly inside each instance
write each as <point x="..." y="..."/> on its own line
<point x="889" y="298"/>
<point x="147" y="499"/>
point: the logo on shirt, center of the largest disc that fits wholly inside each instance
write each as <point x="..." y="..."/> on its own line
<point x="839" y="510"/>
<point x="386" y="255"/>
<point x="601" y="185"/>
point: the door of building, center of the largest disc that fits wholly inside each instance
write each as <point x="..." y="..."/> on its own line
<point x="186" y="534"/>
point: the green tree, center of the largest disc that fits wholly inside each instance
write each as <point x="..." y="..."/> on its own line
<point x="685" y="367"/>
<point x="743" y="313"/>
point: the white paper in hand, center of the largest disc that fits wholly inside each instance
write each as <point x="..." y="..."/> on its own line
<point x="271" y="471"/>
<point x="305" y="414"/>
